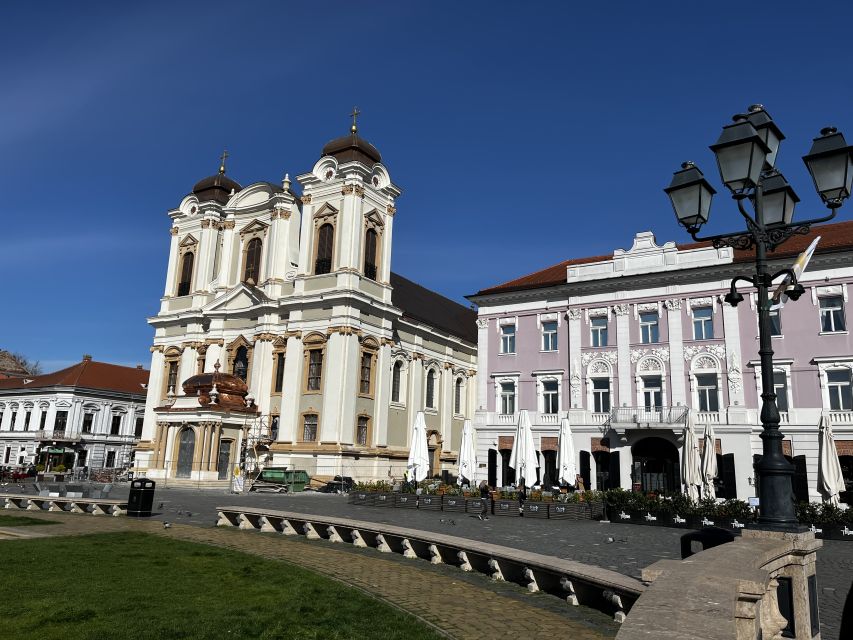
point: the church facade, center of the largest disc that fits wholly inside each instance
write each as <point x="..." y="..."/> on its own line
<point x="284" y="338"/>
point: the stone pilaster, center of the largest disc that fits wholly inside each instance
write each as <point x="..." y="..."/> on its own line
<point x="623" y="352"/>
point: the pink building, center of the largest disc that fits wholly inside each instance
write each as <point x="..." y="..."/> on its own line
<point x="624" y="344"/>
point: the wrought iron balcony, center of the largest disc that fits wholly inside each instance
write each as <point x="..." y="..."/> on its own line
<point x="56" y="436"/>
<point x="647" y="417"/>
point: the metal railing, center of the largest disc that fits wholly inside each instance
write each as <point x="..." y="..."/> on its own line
<point x="648" y="415"/>
<point x="44" y="434"/>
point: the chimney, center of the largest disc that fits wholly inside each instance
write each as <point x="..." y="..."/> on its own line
<point x="139" y="366"/>
<point x="87" y="357"/>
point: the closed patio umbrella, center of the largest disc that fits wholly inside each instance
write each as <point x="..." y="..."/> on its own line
<point x="709" y="463"/>
<point x="830" y="480"/>
<point x="523" y="457"/>
<point x="467" y="454"/>
<point x="418" y="463"/>
<point x="691" y="474"/>
<point x="567" y="470"/>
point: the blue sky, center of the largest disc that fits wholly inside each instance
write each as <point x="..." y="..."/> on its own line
<point x="521" y="133"/>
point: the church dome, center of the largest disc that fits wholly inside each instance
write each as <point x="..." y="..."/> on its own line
<point x="230" y="392"/>
<point x="218" y="188"/>
<point x="352" y="148"/>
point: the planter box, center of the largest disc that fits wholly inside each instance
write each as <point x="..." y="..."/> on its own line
<point x="506" y="507"/>
<point x="406" y="500"/>
<point x="362" y="497"/>
<point x="569" y="511"/>
<point x="474" y="505"/>
<point x="536" y="509"/>
<point x="835" y="532"/>
<point x="453" y="503"/>
<point x="432" y="503"/>
<point x="384" y="500"/>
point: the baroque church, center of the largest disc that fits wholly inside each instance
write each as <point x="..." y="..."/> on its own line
<point x="284" y="338"/>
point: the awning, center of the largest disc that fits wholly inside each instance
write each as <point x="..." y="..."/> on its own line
<point x="56" y="450"/>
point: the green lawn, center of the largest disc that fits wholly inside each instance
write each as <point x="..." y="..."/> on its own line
<point x="133" y="585"/>
<point x="20" y="521"/>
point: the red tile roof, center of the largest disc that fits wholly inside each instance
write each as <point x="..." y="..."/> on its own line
<point x="834" y="237"/>
<point x="87" y="374"/>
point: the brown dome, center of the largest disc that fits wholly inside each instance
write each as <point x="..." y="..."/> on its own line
<point x="352" y="148"/>
<point x="231" y="390"/>
<point x="218" y="188"/>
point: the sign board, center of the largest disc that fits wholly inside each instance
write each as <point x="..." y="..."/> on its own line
<point x="753" y="501"/>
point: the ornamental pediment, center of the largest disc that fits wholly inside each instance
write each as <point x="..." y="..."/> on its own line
<point x="239" y="298"/>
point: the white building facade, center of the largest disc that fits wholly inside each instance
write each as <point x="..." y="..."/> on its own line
<point x="89" y="415"/>
<point x="294" y="295"/>
<point x="623" y="345"/>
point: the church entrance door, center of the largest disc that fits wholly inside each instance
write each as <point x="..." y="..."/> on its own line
<point x="186" y="450"/>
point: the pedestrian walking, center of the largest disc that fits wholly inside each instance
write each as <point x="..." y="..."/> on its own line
<point x="484" y="496"/>
<point x="522" y="496"/>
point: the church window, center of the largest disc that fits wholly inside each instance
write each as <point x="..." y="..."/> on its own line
<point x="430" y="390"/>
<point x="395" y="381"/>
<point x="241" y="363"/>
<point x="361" y="431"/>
<point x="366" y="366"/>
<point x="315" y="369"/>
<point x="370" y="254"/>
<point x="186" y="273"/>
<point x="457" y="397"/>
<point x="172" y="377"/>
<point x="252" y="270"/>
<point x="325" y="241"/>
<point x="279" y="372"/>
<point x="309" y="427"/>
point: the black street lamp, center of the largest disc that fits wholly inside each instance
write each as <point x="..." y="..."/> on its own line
<point x="746" y="157"/>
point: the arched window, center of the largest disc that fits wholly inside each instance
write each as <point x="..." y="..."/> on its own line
<point x="325" y="241"/>
<point x="186" y="273"/>
<point x="395" y="381"/>
<point x="252" y="270"/>
<point x="430" y="390"/>
<point x="241" y="363"/>
<point x="370" y="254"/>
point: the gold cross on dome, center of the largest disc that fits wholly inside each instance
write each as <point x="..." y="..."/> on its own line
<point x="355" y="113"/>
<point x="222" y="159"/>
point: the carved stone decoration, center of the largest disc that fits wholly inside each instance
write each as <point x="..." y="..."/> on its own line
<point x="598" y="367"/>
<point x="359" y="190"/>
<point x="701" y="302"/>
<point x="589" y="356"/>
<point x="691" y="351"/>
<point x="391" y="209"/>
<point x="673" y="304"/>
<point x="647" y="306"/>
<point x="598" y="312"/>
<point x="306" y="198"/>
<point x="228" y="224"/>
<point x="705" y="362"/>
<point x="173" y="231"/>
<point x="346" y="189"/>
<point x="205" y="224"/>
<point x="735" y="377"/>
<point x="482" y="323"/>
<point x="621" y="309"/>
<point x="661" y="353"/>
<point x="574" y="314"/>
<point x="650" y="364"/>
<point x="575" y="384"/>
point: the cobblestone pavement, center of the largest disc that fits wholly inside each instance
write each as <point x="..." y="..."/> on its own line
<point x="463" y="606"/>
<point x="633" y="546"/>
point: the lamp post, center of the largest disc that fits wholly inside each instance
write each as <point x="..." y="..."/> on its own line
<point x="746" y="155"/>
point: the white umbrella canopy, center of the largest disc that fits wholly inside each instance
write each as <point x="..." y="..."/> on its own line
<point x="523" y="457"/>
<point x="691" y="474"/>
<point x="567" y="470"/>
<point x="418" y="463"/>
<point x="467" y="454"/>
<point x="709" y="463"/>
<point x="830" y="480"/>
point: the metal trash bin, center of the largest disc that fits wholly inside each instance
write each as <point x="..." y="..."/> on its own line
<point x="141" y="498"/>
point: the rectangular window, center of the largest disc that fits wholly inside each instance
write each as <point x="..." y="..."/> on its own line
<point x="507" y="398"/>
<point x="115" y="425"/>
<point x="27" y="416"/>
<point x="550" y="396"/>
<point x="598" y="331"/>
<point x="840" y="391"/>
<point x="508" y="338"/>
<point x="88" y="419"/>
<point x="780" y="388"/>
<point x="279" y="372"/>
<point x="832" y="314"/>
<point x="549" y="336"/>
<point x="703" y="323"/>
<point x="274" y="421"/>
<point x="601" y="395"/>
<point x="649" y="333"/>
<point x="775" y="323"/>
<point x="430" y="390"/>
<point x="366" y="364"/>
<point x="60" y="421"/>
<point x="43" y="419"/>
<point x="395" y="381"/>
<point x="309" y="427"/>
<point x="315" y="369"/>
<point x="12" y="421"/>
<point x="652" y="395"/>
<point x="137" y="431"/>
<point x="706" y="385"/>
<point x="361" y="431"/>
<point x="172" y="377"/>
<point x="111" y="460"/>
<point x="457" y="398"/>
